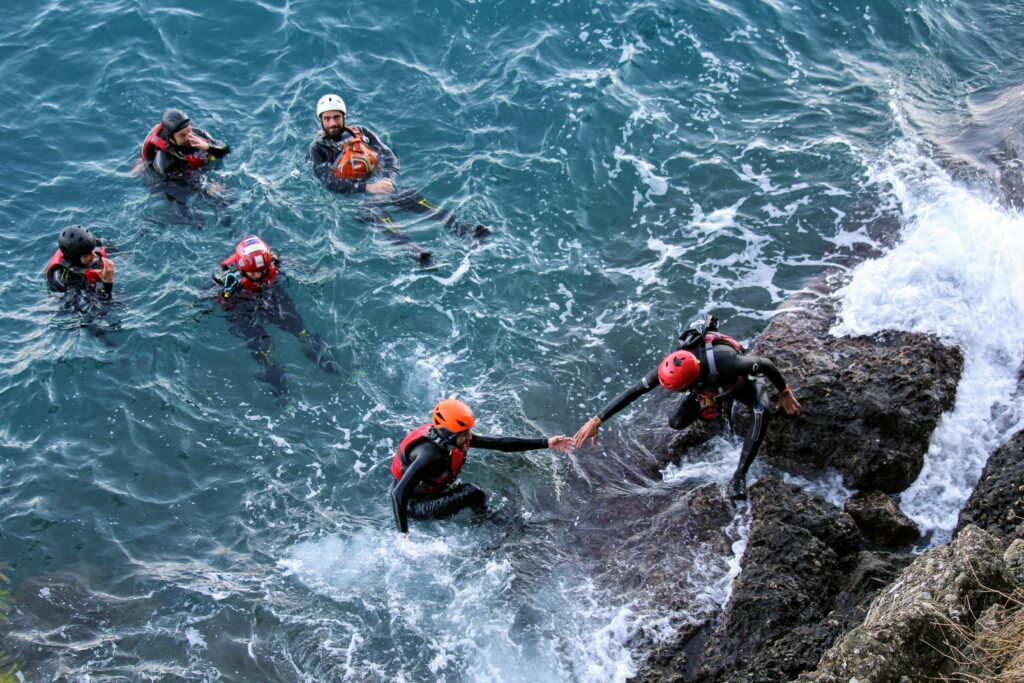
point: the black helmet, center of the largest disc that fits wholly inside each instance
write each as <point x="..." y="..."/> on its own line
<point x="75" y="242"/>
<point x="174" y="120"/>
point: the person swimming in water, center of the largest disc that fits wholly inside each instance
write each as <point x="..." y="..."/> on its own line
<point x="353" y="159"/>
<point x="253" y="297"/>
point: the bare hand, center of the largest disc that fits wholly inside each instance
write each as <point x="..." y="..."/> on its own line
<point x="198" y="142"/>
<point x="107" y="273"/>
<point x="787" y="401"/>
<point x="384" y="186"/>
<point x="588" y="431"/>
<point x="562" y="443"/>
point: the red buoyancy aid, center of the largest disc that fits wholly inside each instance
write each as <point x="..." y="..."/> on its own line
<point x="356" y="160"/>
<point x="247" y="284"/>
<point x="411" y="440"/>
<point x="711" y="399"/>
<point x="92" y="275"/>
<point x="155" y="140"/>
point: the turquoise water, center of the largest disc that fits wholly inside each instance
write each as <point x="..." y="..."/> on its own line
<point x="165" y="517"/>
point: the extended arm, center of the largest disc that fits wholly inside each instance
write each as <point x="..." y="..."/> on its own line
<point x="508" y="444"/>
<point x="759" y="365"/>
<point x="590" y="427"/>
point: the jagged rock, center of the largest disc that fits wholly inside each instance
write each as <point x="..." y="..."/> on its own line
<point x="870" y="404"/>
<point x="1013" y="561"/>
<point x="997" y="502"/>
<point x="776" y="622"/>
<point x="912" y="624"/>
<point x="880" y="519"/>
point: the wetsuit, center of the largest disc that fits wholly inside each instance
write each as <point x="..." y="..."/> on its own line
<point x="178" y="161"/>
<point x="250" y="306"/>
<point x="324" y="153"/>
<point x="84" y="293"/>
<point x="429" y="461"/>
<point x="739" y="378"/>
<point x="62" y="276"/>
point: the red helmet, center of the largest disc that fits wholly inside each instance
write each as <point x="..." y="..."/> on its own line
<point x="679" y="370"/>
<point x="253" y="254"/>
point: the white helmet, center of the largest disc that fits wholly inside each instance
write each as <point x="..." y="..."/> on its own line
<point x="330" y="103"/>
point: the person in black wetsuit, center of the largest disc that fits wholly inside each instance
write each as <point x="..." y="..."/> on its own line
<point x="177" y="153"/>
<point x="427" y="464"/>
<point x="80" y="263"/>
<point x="81" y="271"/>
<point x="352" y="159"/>
<point x="714" y="374"/>
<point x="175" y="148"/>
<point x="253" y="298"/>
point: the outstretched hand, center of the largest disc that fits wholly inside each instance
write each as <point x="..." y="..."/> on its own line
<point x="787" y="401"/>
<point x="588" y="431"/>
<point x="562" y="443"/>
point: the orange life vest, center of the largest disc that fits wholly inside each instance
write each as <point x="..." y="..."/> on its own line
<point x="357" y="160"/>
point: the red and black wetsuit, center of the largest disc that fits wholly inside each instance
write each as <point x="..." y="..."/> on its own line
<point x="251" y="305"/>
<point x="171" y="160"/>
<point x="427" y="486"/>
<point x="62" y="275"/>
<point x="739" y="378"/>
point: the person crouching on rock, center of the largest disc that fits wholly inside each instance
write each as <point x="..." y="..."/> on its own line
<point x="713" y="371"/>
<point x="428" y="460"/>
<point x="252" y="296"/>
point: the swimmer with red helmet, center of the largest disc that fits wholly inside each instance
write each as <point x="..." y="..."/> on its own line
<point x="428" y="460"/>
<point x="713" y="371"/>
<point x="250" y="292"/>
<point x="353" y="159"/>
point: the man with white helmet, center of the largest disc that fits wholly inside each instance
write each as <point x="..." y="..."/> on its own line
<point x="353" y="159"/>
<point x="346" y="158"/>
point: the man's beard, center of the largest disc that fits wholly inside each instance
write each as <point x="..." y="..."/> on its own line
<point x="334" y="132"/>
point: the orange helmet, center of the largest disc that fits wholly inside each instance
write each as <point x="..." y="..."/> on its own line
<point x="679" y="370"/>
<point x="453" y="415"/>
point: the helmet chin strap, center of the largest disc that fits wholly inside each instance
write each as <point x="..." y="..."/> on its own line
<point x="439" y="440"/>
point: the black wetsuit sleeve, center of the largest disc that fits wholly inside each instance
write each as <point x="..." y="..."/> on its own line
<point x="507" y="444"/>
<point x="217" y="149"/>
<point x="387" y="160"/>
<point x="422" y="457"/>
<point x="759" y="365"/>
<point x="323" y="159"/>
<point x="629" y="395"/>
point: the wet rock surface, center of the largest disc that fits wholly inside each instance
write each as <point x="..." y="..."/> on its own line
<point x="803" y="581"/>
<point x="997" y="502"/>
<point x="869" y="404"/>
<point x="880" y="519"/>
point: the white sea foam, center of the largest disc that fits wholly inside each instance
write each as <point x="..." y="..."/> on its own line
<point x="957" y="273"/>
<point x="463" y="609"/>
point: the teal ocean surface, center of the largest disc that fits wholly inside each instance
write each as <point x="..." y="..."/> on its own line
<point x="166" y="517"/>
